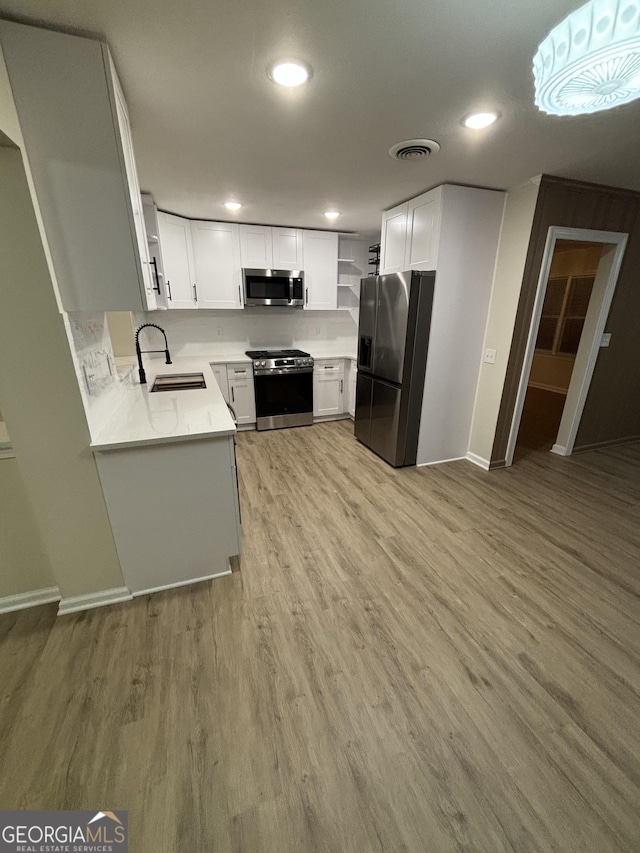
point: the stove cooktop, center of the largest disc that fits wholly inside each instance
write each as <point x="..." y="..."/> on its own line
<point x="276" y="353"/>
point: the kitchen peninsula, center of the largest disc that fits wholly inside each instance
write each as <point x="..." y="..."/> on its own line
<point x="168" y="471"/>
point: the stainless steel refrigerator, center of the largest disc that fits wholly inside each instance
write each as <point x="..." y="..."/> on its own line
<point x="393" y="340"/>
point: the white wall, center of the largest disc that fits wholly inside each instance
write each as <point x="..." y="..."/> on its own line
<point x="200" y="332"/>
<point x="467" y="249"/>
<point x="507" y="283"/>
<point x="42" y="403"/>
<point x="24" y="565"/>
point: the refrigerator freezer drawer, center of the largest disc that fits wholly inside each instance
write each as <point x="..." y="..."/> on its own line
<point x="364" y="389"/>
<point x="386" y="437"/>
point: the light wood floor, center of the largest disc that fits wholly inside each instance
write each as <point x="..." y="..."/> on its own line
<point x="419" y="660"/>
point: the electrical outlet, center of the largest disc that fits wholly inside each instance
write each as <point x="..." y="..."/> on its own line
<point x="489" y="356"/>
<point x="606" y="339"/>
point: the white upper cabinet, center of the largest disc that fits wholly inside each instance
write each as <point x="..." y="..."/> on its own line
<point x="156" y="266"/>
<point x="256" y="246"/>
<point x="393" y="239"/>
<point x="287" y="248"/>
<point x="216" y="256"/>
<point x="263" y="247"/>
<point x="80" y="161"/>
<point x="177" y="257"/>
<point x="423" y="231"/>
<point x="126" y="139"/>
<point x="320" y="252"/>
<point x="411" y="233"/>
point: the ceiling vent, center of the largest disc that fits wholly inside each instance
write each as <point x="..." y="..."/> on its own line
<point x="414" y="149"/>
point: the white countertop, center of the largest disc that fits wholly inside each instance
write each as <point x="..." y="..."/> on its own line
<point x="167" y="416"/>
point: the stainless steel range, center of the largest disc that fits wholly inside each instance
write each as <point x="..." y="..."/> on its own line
<point x="283" y="382"/>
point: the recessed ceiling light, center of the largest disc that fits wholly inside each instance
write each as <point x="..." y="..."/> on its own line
<point x="232" y="205"/>
<point x="332" y="214"/>
<point x="479" y="120"/>
<point x="590" y="61"/>
<point x="289" y="73"/>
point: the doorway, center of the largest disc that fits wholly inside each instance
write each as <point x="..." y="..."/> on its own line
<point x="575" y="289"/>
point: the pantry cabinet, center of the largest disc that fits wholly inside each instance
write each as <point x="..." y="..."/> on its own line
<point x="177" y="257"/>
<point x="216" y="257"/>
<point x="320" y="253"/>
<point x="80" y="161"/>
<point x="328" y="388"/>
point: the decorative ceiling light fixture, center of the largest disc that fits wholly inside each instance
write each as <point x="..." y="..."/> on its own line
<point x="332" y="214"/>
<point x="232" y="205"/>
<point x="590" y="61"/>
<point x="289" y="73"/>
<point x="477" y="121"/>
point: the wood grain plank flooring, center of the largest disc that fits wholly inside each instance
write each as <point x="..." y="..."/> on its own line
<point x="438" y="659"/>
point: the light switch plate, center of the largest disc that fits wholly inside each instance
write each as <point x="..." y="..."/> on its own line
<point x="489" y="356"/>
<point x="605" y="340"/>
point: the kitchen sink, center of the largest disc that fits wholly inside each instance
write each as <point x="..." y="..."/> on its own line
<point x="179" y="382"/>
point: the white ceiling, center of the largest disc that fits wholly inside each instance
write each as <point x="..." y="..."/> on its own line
<point x="209" y="125"/>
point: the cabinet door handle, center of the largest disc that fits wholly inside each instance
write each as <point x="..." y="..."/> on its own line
<point x="306" y="296"/>
<point x="169" y="290"/>
<point x="156" y="286"/>
<point x="233" y="396"/>
<point x="341" y="385"/>
<point x="239" y="296"/>
<point x="195" y="293"/>
<point x="241" y="372"/>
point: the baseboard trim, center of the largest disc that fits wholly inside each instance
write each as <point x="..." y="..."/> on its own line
<point x="478" y="460"/>
<point x="23" y="600"/>
<point x="611" y="442"/>
<point x="94" y="599"/>
<point x="166" y="586"/>
<point x="543" y="387"/>
<point x="560" y="450"/>
<point x="439" y="461"/>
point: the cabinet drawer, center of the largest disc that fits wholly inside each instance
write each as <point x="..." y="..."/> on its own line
<point x="241" y="370"/>
<point x="328" y="366"/>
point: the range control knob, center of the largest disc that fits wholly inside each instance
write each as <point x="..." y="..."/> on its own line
<point x="263" y="364"/>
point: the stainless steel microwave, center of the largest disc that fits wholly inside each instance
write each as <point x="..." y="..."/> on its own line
<point x="274" y="288"/>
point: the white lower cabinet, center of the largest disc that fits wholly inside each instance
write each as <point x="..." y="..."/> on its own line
<point x="191" y="529"/>
<point x="328" y="388"/>
<point x="220" y="372"/>
<point x="241" y="393"/>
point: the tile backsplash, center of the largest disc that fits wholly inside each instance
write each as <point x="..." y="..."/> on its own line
<point x="93" y="358"/>
<point x="203" y="332"/>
